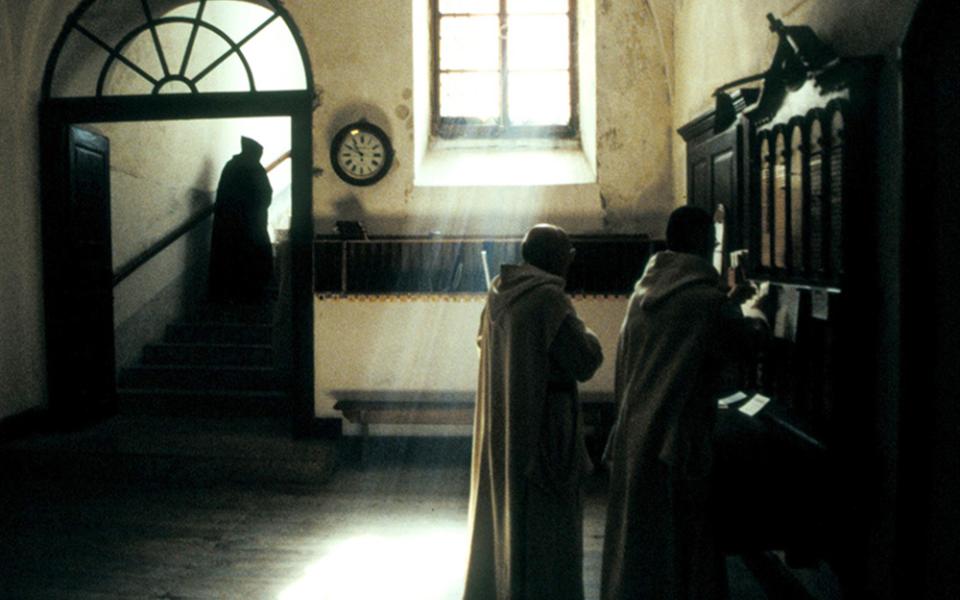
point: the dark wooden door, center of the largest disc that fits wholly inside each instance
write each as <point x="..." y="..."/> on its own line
<point x="713" y="178"/>
<point x="82" y="378"/>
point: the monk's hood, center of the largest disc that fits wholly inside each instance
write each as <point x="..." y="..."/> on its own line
<point x="669" y="272"/>
<point x="514" y="283"/>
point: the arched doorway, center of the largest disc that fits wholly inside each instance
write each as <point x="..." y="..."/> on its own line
<point x="119" y="61"/>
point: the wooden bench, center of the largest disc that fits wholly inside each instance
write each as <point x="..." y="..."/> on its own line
<point x="366" y="408"/>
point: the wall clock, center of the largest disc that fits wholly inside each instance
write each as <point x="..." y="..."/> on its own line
<point x="361" y="153"/>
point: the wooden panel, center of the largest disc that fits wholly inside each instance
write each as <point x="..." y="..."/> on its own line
<point x="724" y="194"/>
<point x="80" y="335"/>
<point x="837" y="151"/>
<point x="797" y="202"/>
<point x="780" y="204"/>
<point x="699" y="192"/>
<point x="766" y="203"/>
<point x="815" y="232"/>
<point x="604" y="265"/>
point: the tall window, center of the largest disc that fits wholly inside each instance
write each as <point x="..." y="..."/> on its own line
<point x="504" y="68"/>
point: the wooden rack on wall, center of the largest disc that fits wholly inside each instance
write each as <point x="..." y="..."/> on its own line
<point x="811" y="205"/>
<point x="794" y="168"/>
<point x="607" y="265"/>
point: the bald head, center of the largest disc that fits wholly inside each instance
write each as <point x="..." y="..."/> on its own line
<point x="547" y="247"/>
<point x="690" y="230"/>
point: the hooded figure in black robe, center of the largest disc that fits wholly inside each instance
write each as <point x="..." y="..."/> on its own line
<point x="241" y="256"/>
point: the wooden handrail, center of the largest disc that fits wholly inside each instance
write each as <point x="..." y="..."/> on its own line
<point x="278" y="160"/>
<point x="161" y="244"/>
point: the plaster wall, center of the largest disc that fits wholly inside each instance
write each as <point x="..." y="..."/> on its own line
<point x="28" y="30"/>
<point x="411" y="343"/>
<point x="367" y="63"/>
<point x="634" y="56"/>
<point x="363" y="57"/>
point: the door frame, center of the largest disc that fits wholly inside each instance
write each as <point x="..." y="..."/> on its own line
<point x="57" y="115"/>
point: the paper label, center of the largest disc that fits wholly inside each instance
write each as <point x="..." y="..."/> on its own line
<point x="820" y="305"/>
<point x="754" y="405"/>
<point x="788" y="313"/>
<point x="731" y="399"/>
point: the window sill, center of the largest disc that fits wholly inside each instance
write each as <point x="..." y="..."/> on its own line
<point x="445" y="166"/>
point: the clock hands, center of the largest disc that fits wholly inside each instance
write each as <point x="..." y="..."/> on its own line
<point x="356" y="147"/>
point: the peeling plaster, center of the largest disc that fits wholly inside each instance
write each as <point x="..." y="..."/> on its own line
<point x="634" y="101"/>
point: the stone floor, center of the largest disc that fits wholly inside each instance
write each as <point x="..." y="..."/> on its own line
<point x="392" y="527"/>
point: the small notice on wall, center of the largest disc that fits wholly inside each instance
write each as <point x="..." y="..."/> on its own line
<point x="820" y="305"/>
<point x="788" y="313"/>
<point x="754" y="405"/>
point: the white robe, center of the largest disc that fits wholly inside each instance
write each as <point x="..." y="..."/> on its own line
<point x="525" y="522"/>
<point x="658" y="541"/>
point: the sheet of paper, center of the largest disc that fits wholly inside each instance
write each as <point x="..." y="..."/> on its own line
<point x="788" y="313"/>
<point x="731" y="399"/>
<point x="754" y="405"/>
<point x="820" y="305"/>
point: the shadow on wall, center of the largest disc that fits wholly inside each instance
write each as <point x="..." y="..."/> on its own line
<point x="356" y="111"/>
<point x="346" y="208"/>
<point x="494" y="211"/>
<point x="173" y="282"/>
<point x="202" y="196"/>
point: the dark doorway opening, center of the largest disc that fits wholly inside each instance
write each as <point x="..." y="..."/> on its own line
<point x="70" y="326"/>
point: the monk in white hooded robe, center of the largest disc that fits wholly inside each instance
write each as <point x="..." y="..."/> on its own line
<point x="678" y="330"/>
<point x="529" y="457"/>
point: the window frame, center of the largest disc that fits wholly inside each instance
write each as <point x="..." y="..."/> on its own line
<point x="456" y="128"/>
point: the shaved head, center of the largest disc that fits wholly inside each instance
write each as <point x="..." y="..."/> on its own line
<point x="547" y="247"/>
<point x="690" y="230"/>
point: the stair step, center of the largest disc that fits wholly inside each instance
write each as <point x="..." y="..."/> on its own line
<point x="219" y="333"/>
<point x="202" y="403"/>
<point x="262" y="313"/>
<point x="208" y="354"/>
<point x="189" y="377"/>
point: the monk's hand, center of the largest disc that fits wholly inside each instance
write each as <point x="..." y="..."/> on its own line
<point x="742" y="292"/>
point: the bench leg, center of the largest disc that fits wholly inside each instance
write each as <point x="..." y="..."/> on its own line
<point x="364" y="435"/>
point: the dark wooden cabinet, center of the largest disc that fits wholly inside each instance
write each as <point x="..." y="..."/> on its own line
<point x="717" y="169"/>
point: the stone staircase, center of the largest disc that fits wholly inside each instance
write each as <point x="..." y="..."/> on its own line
<point x="218" y="363"/>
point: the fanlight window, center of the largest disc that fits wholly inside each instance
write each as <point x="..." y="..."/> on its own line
<point x="140" y="47"/>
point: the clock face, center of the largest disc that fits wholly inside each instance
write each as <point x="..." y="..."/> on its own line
<point x="361" y="154"/>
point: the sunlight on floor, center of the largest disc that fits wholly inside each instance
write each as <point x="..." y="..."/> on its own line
<point x="423" y="564"/>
